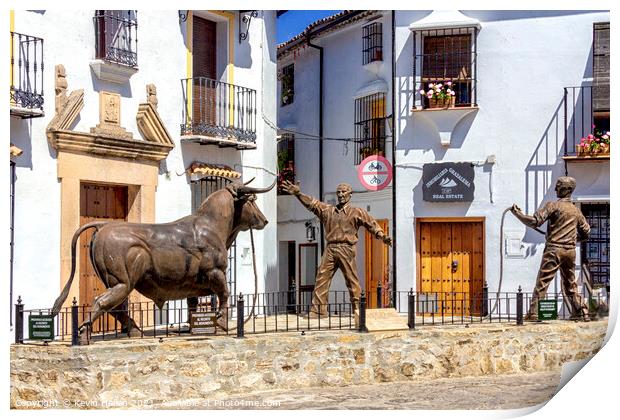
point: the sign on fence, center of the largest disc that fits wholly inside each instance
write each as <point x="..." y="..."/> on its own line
<point x="547" y="309"/>
<point x="203" y="323"/>
<point x="41" y="327"/>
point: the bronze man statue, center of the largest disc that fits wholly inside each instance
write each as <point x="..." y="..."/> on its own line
<point x="565" y="226"/>
<point x="341" y="224"/>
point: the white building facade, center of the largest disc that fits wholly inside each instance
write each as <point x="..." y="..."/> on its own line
<point x="528" y="86"/>
<point x="137" y="116"/>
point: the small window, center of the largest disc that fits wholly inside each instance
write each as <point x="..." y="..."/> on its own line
<point x="372" y="43"/>
<point x="600" y="69"/>
<point x="286" y="159"/>
<point x="447" y="67"/>
<point x="369" y="126"/>
<point x="116" y="36"/>
<point x="287" y="79"/>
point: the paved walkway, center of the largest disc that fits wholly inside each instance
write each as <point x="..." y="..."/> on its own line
<point x="484" y="392"/>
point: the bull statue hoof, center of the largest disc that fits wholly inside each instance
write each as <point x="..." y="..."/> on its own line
<point x="222" y="321"/>
<point x="83" y="334"/>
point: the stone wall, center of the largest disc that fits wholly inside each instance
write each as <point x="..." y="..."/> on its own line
<point x="178" y="368"/>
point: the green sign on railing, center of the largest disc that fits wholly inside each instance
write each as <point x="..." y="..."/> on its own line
<point x="547" y="309"/>
<point x="41" y="327"/>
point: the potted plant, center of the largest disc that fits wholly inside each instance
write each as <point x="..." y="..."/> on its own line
<point x="439" y="95"/>
<point x="596" y="143"/>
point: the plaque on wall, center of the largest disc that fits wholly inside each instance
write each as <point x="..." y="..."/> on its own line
<point x="448" y="182"/>
<point x="203" y="323"/>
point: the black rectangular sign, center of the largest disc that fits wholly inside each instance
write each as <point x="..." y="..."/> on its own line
<point x="41" y="327"/>
<point x="547" y="309"/>
<point x="450" y="181"/>
<point x="203" y="323"/>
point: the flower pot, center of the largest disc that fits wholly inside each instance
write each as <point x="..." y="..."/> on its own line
<point x="441" y="103"/>
<point x="605" y="148"/>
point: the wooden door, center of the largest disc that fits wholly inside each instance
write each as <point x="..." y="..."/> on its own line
<point x="450" y="266"/>
<point x="204" y="72"/>
<point x="377" y="267"/>
<point x="97" y="202"/>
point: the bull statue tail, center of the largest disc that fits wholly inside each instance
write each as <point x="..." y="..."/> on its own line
<point x="65" y="291"/>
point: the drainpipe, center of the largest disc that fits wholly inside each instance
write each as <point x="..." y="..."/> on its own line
<point x="394" y="130"/>
<point x="12" y="240"/>
<point x="322" y="233"/>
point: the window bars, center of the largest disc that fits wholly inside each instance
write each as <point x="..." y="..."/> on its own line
<point x="26" y="71"/>
<point x="116" y="36"/>
<point x="217" y="109"/>
<point x="288" y="85"/>
<point x="372" y="43"/>
<point x="201" y="189"/>
<point x="442" y="56"/>
<point x="286" y="159"/>
<point x="595" y="251"/>
<point x="369" y="126"/>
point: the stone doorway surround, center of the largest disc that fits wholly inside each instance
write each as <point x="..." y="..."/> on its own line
<point x="108" y="154"/>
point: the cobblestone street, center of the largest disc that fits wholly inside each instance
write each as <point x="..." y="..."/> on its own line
<point x="484" y="392"/>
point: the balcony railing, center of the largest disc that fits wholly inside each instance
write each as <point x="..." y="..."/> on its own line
<point x="218" y="112"/>
<point x="116" y="36"/>
<point x="26" y="75"/>
<point x="584" y="113"/>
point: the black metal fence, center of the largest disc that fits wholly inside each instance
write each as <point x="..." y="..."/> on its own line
<point x="275" y="312"/>
<point x="218" y="109"/>
<point x="116" y="36"/>
<point x="26" y="71"/>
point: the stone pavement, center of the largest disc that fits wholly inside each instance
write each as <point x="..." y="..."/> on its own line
<point x="482" y="393"/>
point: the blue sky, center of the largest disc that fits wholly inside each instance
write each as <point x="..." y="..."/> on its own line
<point x="294" y="21"/>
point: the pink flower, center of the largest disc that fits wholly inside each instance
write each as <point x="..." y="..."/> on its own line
<point x="449" y="83"/>
<point x="590" y="136"/>
<point x="422" y="92"/>
<point x="430" y="85"/>
<point x="429" y="95"/>
<point x="593" y="126"/>
<point x="453" y="93"/>
<point x="605" y="136"/>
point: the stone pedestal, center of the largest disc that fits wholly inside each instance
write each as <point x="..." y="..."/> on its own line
<point x="386" y="319"/>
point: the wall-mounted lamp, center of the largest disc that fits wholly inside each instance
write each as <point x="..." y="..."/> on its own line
<point x="390" y="123"/>
<point x="183" y="16"/>
<point x="310" y="232"/>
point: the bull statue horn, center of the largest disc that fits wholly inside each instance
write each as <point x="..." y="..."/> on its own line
<point x="250" y="190"/>
<point x="246" y="183"/>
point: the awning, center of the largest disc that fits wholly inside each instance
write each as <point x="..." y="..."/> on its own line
<point x="212" y="169"/>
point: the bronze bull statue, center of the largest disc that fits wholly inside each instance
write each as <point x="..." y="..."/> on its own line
<point x="186" y="258"/>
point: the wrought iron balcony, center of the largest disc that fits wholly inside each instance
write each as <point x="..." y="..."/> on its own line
<point x="586" y="112"/>
<point x="116" y="36"/>
<point x="219" y="113"/>
<point x="26" y="76"/>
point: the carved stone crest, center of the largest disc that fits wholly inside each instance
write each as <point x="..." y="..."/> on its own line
<point x="110" y="116"/>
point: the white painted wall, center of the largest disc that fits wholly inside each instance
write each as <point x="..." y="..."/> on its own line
<point x="525" y="59"/>
<point x="162" y="60"/>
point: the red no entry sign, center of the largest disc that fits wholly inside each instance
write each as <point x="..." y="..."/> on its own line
<point x="375" y="173"/>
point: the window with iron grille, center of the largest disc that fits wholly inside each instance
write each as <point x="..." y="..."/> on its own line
<point x="201" y="189"/>
<point x="595" y="251"/>
<point x="286" y="159"/>
<point x="369" y="126"/>
<point x="600" y="70"/>
<point x="287" y="79"/>
<point x="372" y="43"/>
<point x="116" y="36"/>
<point x="446" y="64"/>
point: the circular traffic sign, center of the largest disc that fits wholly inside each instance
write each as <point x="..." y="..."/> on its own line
<point x="375" y="173"/>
